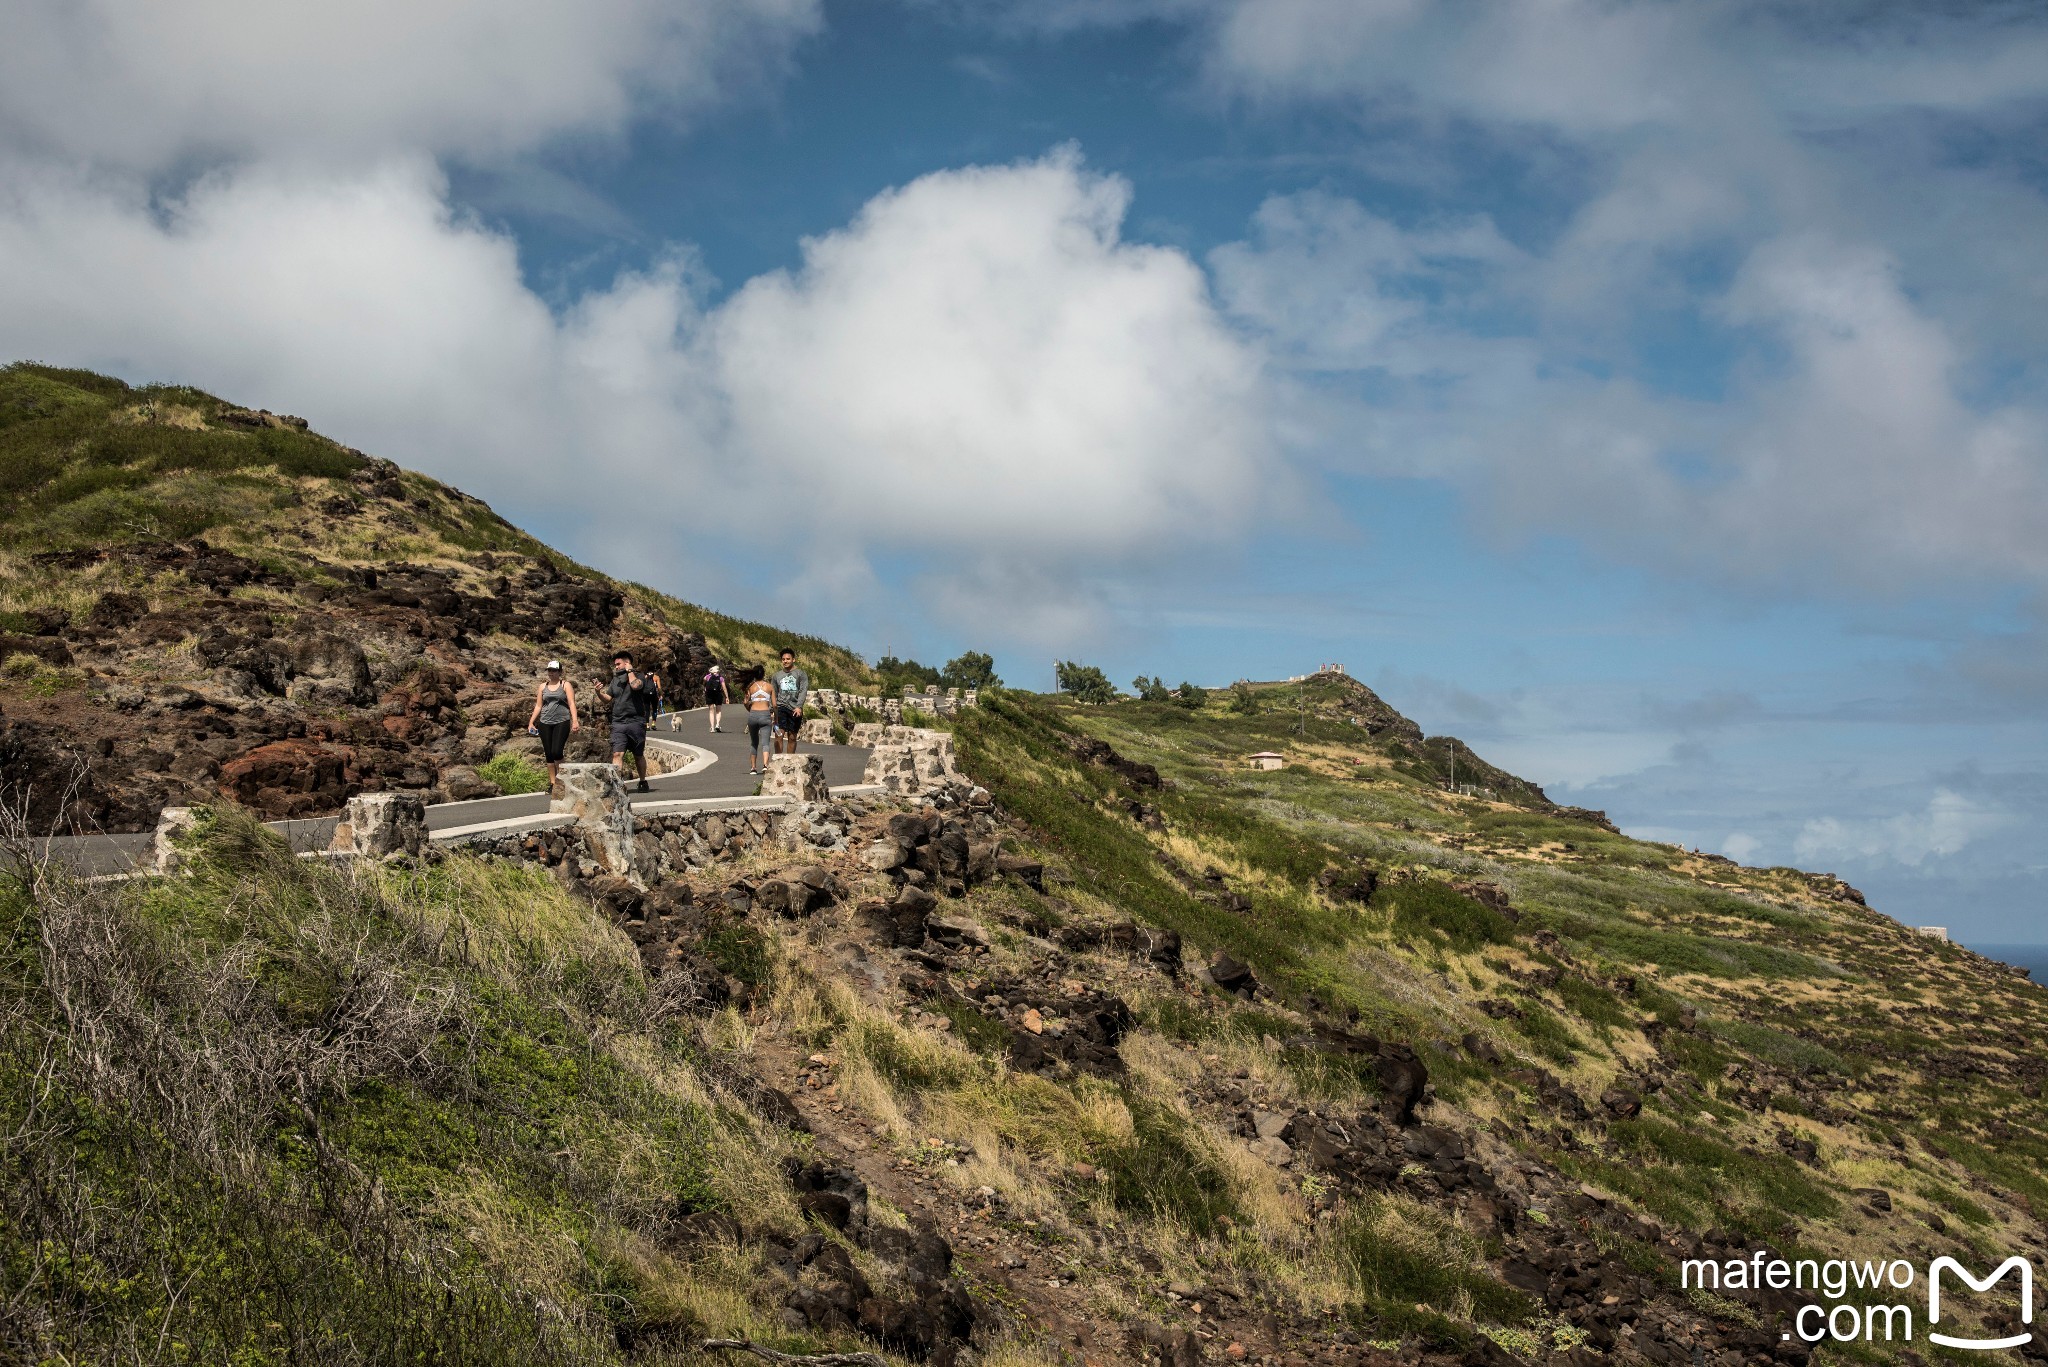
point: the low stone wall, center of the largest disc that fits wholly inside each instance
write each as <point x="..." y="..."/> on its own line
<point x="671" y="845"/>
<point x="927" y="701"/>
<point x="908" y="761"/>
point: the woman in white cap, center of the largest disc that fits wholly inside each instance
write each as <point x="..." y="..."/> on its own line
<point x="554" y="717"/>
<point x="716" y="696"/>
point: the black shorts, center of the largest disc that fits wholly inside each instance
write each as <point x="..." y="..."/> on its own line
<point x="554" y="739"/>
<point x="629" y="738"/>
<point x="788" y="719"/>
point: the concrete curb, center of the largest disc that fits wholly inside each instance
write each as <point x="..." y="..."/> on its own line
<point x="517" y="825"/>
<point x="699" y="758"/>
<point x="771" y="802"/>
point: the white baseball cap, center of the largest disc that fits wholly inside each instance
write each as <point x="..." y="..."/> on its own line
<point x="554" y="664"/>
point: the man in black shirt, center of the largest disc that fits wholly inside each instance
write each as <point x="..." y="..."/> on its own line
<point x="632" y="698"/>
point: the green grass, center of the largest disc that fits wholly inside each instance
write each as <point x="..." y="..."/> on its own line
<point x="1547" y="1033"/>
<point x="1162" y="1172"/>
<point x="1592" y="1003"/>
<point x="514" y="773"/>
<point x="974" y="1028"/>
<point x="1692" y="1179"/>
<point x="1426" y="906"/>
<point x="1775" y="1046"/>
<point x="70" y="473"/>
<point x="739" y="951"/>
<point x="1404" y="1261"/>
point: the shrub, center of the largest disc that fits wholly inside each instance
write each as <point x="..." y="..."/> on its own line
<point x="1427" y="905"/>
<point x="971" y="669"/>
<point x="1084" y="683"/>
<point x="976" y="1029"/>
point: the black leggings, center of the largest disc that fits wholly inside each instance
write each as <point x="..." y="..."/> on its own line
<point x="554" y="739"/>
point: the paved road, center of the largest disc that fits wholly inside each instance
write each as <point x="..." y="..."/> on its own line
<point x="727" y="776"/>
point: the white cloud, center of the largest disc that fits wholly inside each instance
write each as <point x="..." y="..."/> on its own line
<point x="1330" y="283"/>
<point x="361" y="301"/>
<point x="1764" y="322"/>
<point x="1845" y="449"/>
<point x="1949" y="823"/>
<point x="1864" y="436"/>
<point x="144" y="85"/>
<point x="977" y="370"/>
<point x="978" y="363"/>
<point x="1586" y="67"/>
<point x="1581" y="65"/>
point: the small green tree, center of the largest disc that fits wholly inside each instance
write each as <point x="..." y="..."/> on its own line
<point x="1241" y="700"/>
<point x="972" y="669"/>
<point x="1149" y="690"/>
<point x="1085" y="683"/>
<point x="895" y="673"/>
<point x="1192" y="697"/>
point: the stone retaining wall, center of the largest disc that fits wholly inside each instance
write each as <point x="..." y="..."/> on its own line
<point x="670" y="845"/>
<point x="908" y="760"/>
<point x="928" y="701"/>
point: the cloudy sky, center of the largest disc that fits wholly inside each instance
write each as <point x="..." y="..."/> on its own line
<point x="1653" y="394"/>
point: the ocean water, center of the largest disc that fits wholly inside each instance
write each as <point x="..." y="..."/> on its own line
<point x="2034" y="958"/>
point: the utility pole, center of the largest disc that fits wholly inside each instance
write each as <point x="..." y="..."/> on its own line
<point x="1301" y="709"/>
<point x="1454" y="763"/>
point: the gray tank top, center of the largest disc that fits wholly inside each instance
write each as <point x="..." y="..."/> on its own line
<point x="554" y="703"/>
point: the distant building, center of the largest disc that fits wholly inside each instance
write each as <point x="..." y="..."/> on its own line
<point x="1266" y="759"/>
<point x="1933" y="932"/>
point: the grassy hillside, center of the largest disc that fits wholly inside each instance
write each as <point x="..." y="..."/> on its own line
<point x="1156" y="1057"/>
<point x="89" y="461"/>
<point x="1745" y="1055"/>
<point x="281" y="1113"/>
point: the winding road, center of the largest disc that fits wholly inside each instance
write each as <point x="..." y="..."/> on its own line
<point x="723" y="775"/>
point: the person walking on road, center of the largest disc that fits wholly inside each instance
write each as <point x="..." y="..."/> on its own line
<point x="554" y="718"/>
<point x="632" y="695"/>
<point x="654" y="713"/>
<point x="716" y="696"/>
<point x="792" y="687"/>
<point x="760" y="699"/>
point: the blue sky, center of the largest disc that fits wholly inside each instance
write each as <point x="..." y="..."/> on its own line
<point x="1650" y="394"/>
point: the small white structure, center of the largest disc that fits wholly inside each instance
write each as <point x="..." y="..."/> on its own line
<point x="1266" y="759"/>
<point x="1933" y="932"/>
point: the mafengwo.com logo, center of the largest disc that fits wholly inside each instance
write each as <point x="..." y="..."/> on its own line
<point x="1876" y="1302"/>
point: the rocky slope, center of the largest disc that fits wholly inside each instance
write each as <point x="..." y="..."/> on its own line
<point x="203" y="601"/>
